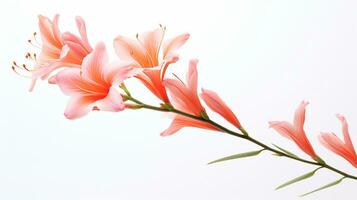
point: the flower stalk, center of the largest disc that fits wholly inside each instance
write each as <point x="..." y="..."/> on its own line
<point x="243" y="135"/>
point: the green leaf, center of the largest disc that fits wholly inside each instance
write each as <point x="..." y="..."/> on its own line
<point x="237" y="156"/>
<point x="286" y="151"/>
<point x="324" y="187"/>
<point x="297" y="179"/>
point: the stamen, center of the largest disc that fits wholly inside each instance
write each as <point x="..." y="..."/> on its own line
<point x="35" y="38"/>
<point x="178" y="78"/>
<point x="34" y="45"/>
<point x="162" y="39"/>
<point x="14" y="69"/>
<point x="25" y="67"/>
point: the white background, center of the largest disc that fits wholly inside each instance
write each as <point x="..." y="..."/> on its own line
<point x="262" y="57"/>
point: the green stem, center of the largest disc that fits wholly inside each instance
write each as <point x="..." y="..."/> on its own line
<point x="243" y="135"/>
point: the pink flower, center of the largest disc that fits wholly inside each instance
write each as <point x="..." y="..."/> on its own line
<point x="57" y="50"/>
<point x="184" y="97"/>
<point x="295" y="132"/>
<point x="94" y="86"/>
<point x="343" y="148"/>
<point x="215" y="103"/>
<point x="149" y="51"/>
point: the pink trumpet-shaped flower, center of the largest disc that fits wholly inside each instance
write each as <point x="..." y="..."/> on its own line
<point x="150" y="52"/>
<point x="343" y="148"/>
<point x="215" y="103"/>
<point x="94" y="85"/>
<point x="185" y="98"/>
<point x="295" y="132"/>
<point x="59" y="50"/>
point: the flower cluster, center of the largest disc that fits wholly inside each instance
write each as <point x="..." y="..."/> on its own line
<point x="93" y="82"/>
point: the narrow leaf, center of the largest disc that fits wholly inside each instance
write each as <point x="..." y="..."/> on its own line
<point x="297" y="179"/>
<point x="237" y="156"/>
<point x="323" y="187"/>
<point x="286" y="151"/>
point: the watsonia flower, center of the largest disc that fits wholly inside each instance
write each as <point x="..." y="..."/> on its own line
<point x="185" y="98"/>
<point x="57" y="49"/>
<point x="344" y="148"/>
<point x="151" y="53"/>
<point x="295" y="131"/>
<point x="215" y="103"/>
<point x="95" y="85"/>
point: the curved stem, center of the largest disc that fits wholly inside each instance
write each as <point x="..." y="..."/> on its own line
<point x="243" y="135"/>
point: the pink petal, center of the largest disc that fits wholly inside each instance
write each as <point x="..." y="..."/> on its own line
<point x="83" y="32"/>
<point x="333" y="143"/>
<point x="172" y="45"/>
<point x="299" y="118"/>
<point x="284" y="128"/>
<point x="181" y="97"/>
<point x="93" y="64"/>
<point x="336" y="145"/>
<point x="75" y="44"/>
<point x="48" y="35"/>
<point x="191" y="76"/>
<point x="152" y="40"/>
<point x="69" y="81"/>
<point x="79" y="106"/>
<point x="116" y="72"/>
<point x="130" y="50"/>
<point x="56" y="31"/>
<point x="346" y="133"/>
<point x="180" y="122"/>
<point x="215" y="103"/>
<point x="112" y="102"/>
<point x="72" y="83"/>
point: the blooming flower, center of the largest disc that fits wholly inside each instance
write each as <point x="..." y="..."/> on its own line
<point x="185" y="98"/>
<point x="343" y="148"/>
<point x="295" y="132"/>
<point x="94" y="85"/>
<point x="57" y="50"/>
<point x="215" y="103"/>
<point x="149" y="51"/>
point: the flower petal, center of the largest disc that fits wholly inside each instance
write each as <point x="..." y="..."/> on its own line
<point x="130" y="50"/>
<point x="79" y="106"/>
<point x="215" y="103"/>
<point x="56" y="31"/>
<point x="180" y="96"/>
<point x="299" y="118"/>
<point x="180" y="122"/>
<point x="83" y="32"/>
<point x="49" y="34"/>
<point x="191" y="76"/>
<point x="116" y="72"/>
<point x="346" y="133"/>
<point x="93" y="64"/>
<point x="284" y="128"/>
<point x="72" y="83"/>
<point x="336" y="145"/>
<point x="172" y="45"/>
<point x="151" y="41"/>
<point x="112" y="102"/>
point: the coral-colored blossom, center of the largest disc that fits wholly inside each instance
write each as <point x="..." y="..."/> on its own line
<point x="59" y="49"/>
<point x="343" y="148"/>
<point x="149" y="51"/>
<point x="185" y="98"/>
<point x="215" y="103"/>
<point x="295" y="132"/>
<point x="94" y="86"/>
